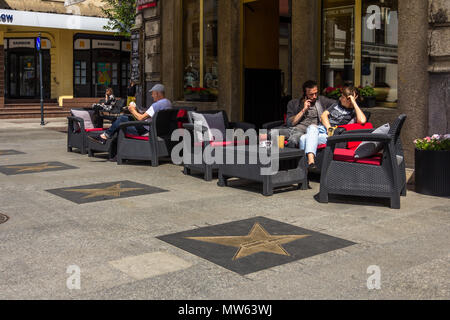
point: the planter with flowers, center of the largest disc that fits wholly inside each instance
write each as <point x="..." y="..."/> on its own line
<point x="199" y="94"/>
<point x="432" y="165"/>
<point x="333" y="92"/>
<point x="367" y="96"/>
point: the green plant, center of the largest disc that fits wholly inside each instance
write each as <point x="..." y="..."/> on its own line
<point x="333" y="93"/>
<point x="121" y="15"/>
<point x="436" y="142"/>
<point x="367" y="91"/>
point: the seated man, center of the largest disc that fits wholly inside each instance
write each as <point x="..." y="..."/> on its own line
<point x="340" y="113"/>
<point x="301" y="113"/>
<point x="160" y="103"/>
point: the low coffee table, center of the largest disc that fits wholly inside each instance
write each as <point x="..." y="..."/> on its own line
<point x="292" y="168"/>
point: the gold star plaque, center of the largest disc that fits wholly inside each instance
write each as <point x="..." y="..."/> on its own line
<point x="253" y="244"/>
<point x="105" y="191"/>
<point x="113" y="191"/>
<point x="36" y="168"/>
<point x="258" y="240"/>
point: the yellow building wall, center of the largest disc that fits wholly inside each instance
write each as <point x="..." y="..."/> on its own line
<point x="61" y="54"/>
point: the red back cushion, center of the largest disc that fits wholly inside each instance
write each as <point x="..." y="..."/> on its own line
<point x="181" y="114"/>
<point x="356" y="126"/>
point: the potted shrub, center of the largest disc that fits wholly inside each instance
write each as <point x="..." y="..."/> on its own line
<point x="432" y="165"/>
<point x="367" y="97"/>
<point x="198" y="94"/>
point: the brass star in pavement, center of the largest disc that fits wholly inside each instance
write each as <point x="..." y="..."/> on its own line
<point x="258" y="240"/>
<point x="37" y="168"/>
<point x="114" y="191"/>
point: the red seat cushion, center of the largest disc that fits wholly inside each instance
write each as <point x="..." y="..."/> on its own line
<point x="94" y="129"/>
<point x="130" y="136"/>
<point x="348" y="155"/>
<point x="222" y="143"/>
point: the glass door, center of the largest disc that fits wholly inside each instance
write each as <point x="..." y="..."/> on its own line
<point x="338" y="46"/>
<point x="27" y="76"/>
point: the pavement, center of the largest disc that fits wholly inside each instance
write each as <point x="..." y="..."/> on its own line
<point x="54" y="248"/>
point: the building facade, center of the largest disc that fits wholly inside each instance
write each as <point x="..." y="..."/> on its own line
<point x="249" y="57"/>
<point x="80" y="58"/>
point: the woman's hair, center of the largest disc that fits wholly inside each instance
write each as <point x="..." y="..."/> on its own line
<point x="110" y="90"/>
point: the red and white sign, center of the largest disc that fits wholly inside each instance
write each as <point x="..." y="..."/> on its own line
<point x="144" y="4"/>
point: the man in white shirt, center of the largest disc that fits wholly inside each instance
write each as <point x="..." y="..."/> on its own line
<point x="160" y="103"/>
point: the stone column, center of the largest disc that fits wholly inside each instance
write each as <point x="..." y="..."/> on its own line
<point x="305" y="48"/>
<point x="172" y="49"/>
<point x="229" y="58"/>
<point x="439" y="94"/>
<point x="413" y="79"/>
<point x="152" y="50"/>
<point x="2" y="75"/>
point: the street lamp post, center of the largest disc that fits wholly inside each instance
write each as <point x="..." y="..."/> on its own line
<point x="41" y="83"/>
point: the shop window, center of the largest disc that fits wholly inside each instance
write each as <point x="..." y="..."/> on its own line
<point x="80" y="72"/>
<point x="379" y="49"/>
<point x="360" y="47"/>
<point x="115" y="74"/>
<point x="200" y="50"/>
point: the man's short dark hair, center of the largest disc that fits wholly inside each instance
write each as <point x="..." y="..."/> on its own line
<point x="310" y="84"/>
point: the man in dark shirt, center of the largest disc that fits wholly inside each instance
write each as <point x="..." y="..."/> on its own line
<point x="343" y="112"/>
<point x="304" y="112"/>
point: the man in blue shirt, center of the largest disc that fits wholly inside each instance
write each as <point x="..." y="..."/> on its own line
<point x="160" y="103"/>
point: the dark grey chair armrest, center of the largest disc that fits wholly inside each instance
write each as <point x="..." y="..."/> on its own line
<point x="331" y="141"/>
<point x="134" y="123"/>
<point x="273" y="124"/>
<point x="80" y="122"/>
<point x="190" y="127"/>
<point x="242" y="125"/>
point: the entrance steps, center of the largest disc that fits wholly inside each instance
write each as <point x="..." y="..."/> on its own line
<point x="32" y="109"/>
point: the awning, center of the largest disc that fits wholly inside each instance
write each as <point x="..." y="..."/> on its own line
<point x="52" y="20"/>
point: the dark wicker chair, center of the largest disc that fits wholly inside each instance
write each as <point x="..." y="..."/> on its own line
<point x="77" y="134"/>
<point x="208" y="169"/>
<point x="382" y="175"/>
<point x="156" y="145"/>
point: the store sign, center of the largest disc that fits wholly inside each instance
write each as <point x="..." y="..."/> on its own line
<point x="82" y="44"/>
<point x="105" y="44"/>
<point x="52" y="20"/>
<point x="46" y="44"/>
<point x="6" y="18"/>
<point x="126" y="46"/>
<point x="71" y="2"/>
<point x="21" y="43"/>
<point x="144" y="4"/>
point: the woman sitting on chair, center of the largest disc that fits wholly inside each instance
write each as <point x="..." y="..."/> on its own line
<point x="343" y="112"/>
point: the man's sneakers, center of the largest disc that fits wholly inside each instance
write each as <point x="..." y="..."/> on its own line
<point x="98" y="139"/>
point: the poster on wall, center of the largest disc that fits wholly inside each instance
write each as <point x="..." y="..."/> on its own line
<point x="104" y="73"/>
<point x="135" y="74"/>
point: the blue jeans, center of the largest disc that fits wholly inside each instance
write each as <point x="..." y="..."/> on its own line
<point x="315" y="135"/>
<point x="131" y="130"/>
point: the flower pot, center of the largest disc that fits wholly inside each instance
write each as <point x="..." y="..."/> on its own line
<point x="432" y="171"/>
<point x="369" y="102"/>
